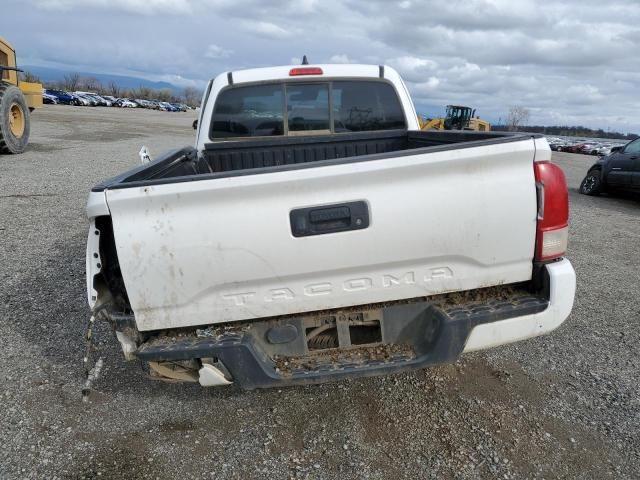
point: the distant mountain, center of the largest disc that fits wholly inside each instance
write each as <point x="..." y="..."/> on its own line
<point x="48" y="74"/>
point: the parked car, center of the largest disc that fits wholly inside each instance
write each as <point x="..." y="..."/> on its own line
<point x="572" y="147"/>
<point x="619" y="171"/>
<point x="86" y="100"/>
<point x="83" y="101"/>
<point x="588" y="149"/>
<point x="126" y="103"/>
<point x="95" y="98"/>
<point x="143" y="103"/>
<point x="99" y="101"/>
<point x="605" y="150"/>
<point x="166" y="106"/>
<point x="88" y="97"/>
<point x="103" y="102"/>
<point x="49" y="99"/>
<point x="315" y="255"/>
<point x="181" y="107"/>
<point x="92" y="101"/>
<point x="63" y="97"/>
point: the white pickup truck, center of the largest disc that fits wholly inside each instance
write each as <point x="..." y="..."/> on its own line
<point x="314" y="232"/>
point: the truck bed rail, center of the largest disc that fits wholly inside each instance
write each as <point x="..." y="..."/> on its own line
<point x="256" y="156"/>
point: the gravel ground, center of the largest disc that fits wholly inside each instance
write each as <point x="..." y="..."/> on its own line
<point x="561" y="406"/>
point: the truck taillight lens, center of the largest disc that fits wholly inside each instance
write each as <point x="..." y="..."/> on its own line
<point x="296" y="72"/>
<point x="552" y="232"/>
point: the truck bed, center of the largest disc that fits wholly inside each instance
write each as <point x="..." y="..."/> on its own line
<point x="256" y="156"/>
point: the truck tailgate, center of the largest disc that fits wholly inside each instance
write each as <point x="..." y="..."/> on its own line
<point x="217" y="250"/>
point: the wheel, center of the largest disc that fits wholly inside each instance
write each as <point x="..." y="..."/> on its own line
<point x="15" y="123"/>
<point x="592" y="183"/>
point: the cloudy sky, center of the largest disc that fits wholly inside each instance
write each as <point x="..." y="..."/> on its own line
<point x="568" y="61"/>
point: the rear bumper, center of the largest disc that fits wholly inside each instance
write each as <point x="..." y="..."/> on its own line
<point x="415" y="335"/>
<point x="562" y="289"/>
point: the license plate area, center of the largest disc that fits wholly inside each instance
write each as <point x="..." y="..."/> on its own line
<point x="343" y="330"/>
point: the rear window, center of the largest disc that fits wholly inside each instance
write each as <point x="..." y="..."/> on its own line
<point x="306" y="109"/>
<point x="255" y="111"/>
<point x="365" y="106"/>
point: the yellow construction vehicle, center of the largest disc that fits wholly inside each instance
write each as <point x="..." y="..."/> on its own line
<point x="17" y="100"/>
<point x="457" y="118"/>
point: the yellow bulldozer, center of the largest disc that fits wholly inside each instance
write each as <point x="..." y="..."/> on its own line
<point x="17" y="101"/>
<point x="457" y="118"/>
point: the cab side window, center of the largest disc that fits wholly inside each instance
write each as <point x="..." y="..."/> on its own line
<point x="4" y="62"/>
<point x="633" y="147"/>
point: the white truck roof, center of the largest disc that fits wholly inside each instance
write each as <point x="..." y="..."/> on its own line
<point x="328" y="70"/>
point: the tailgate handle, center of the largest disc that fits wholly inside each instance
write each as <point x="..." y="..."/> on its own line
<point x="329" y="219"/>
<point x="329" y="215"/>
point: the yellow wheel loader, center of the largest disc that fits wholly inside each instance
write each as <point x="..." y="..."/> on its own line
<point x="17" y="100"/>
<point x="457" y="118"/>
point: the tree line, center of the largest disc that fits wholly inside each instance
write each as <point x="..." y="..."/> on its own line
<point x="75" y="82"/>
<point x="518" y="116"/>
<point x="570" y="131"/>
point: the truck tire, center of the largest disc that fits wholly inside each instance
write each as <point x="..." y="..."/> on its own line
<point x="15" y="123"/>
<point x="592" y="183"/>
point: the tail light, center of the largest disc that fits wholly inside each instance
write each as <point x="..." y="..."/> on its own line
<point x="296" y="72"/>
<point x="552" y="232"/>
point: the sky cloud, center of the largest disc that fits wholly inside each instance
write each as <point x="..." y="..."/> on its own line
<point x="147" y="7"/>
<point x="340" y="58"/>
<point x="266" y="29"/>
<point x="214" y="51"/>
<point x="568" y="61"/>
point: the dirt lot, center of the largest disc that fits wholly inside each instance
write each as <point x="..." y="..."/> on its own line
<point x="561" y="406"/>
